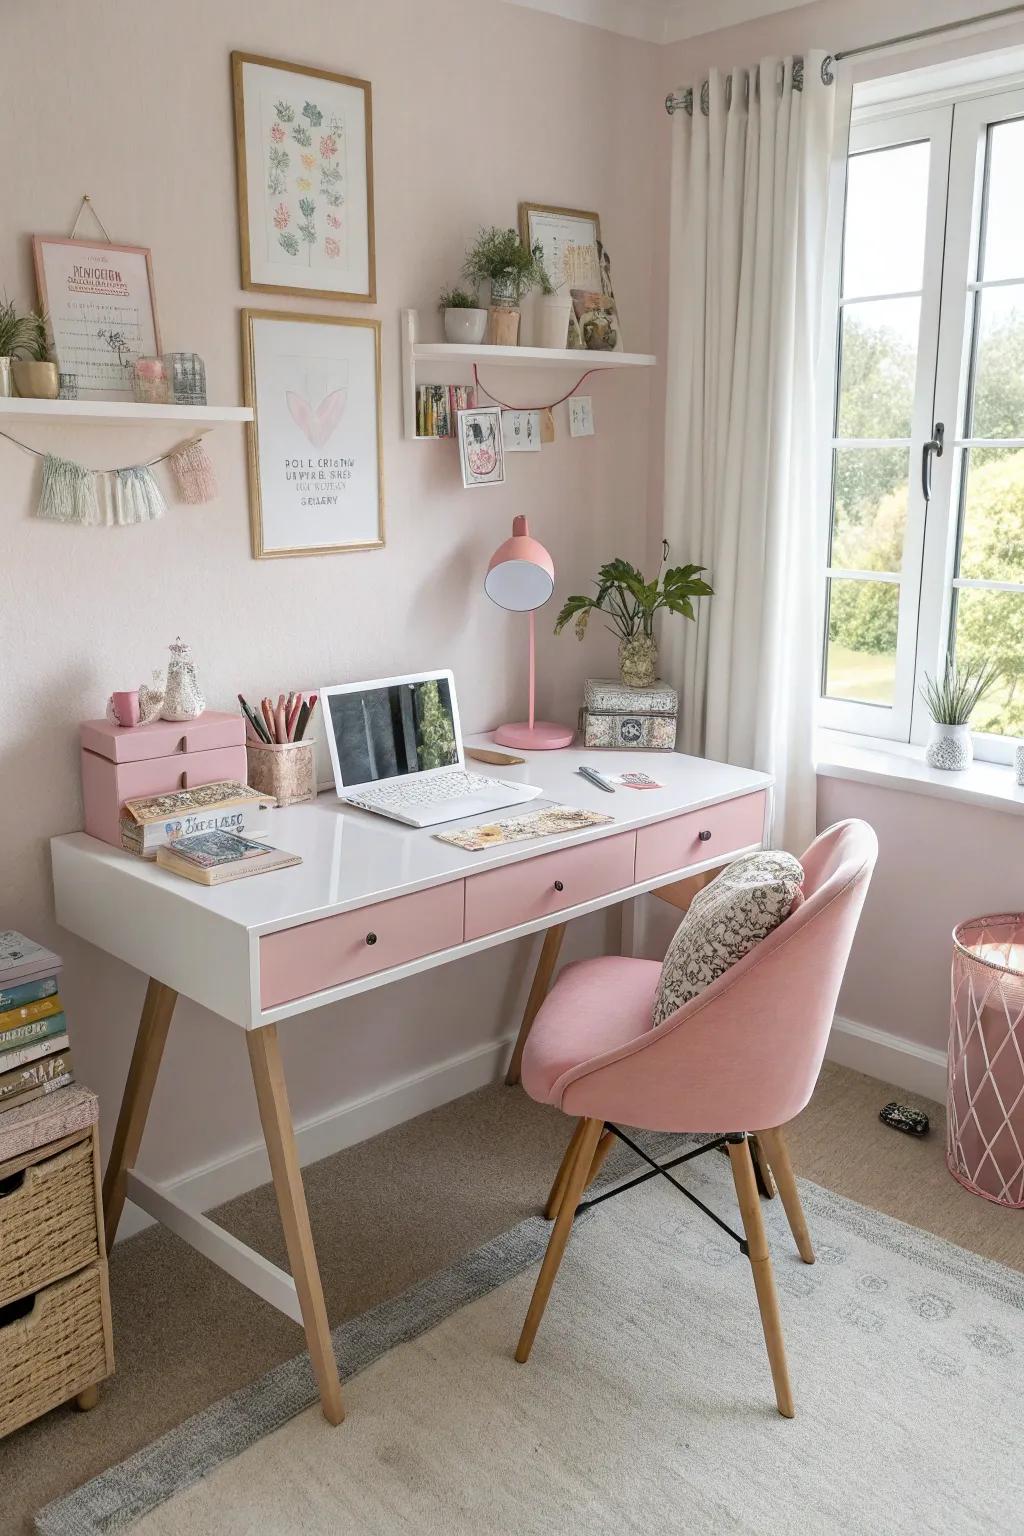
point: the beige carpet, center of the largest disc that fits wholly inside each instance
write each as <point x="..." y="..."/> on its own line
<point x="647" y="1404"/>
<point x="388" y="1213"/>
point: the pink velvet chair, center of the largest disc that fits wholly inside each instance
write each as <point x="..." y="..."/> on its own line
<point x="742" y="1057"/>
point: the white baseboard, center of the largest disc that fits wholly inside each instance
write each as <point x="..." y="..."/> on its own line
<point x="342" y="1126"/>
<point x="918" y="1068"/>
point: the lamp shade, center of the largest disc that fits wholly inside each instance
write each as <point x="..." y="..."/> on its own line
<point x="521" y="574"/>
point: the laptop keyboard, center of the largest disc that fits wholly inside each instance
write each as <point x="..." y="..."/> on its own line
<point x="415" y="792"/>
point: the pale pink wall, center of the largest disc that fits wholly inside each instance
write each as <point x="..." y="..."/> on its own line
<point x="477" y="104"/>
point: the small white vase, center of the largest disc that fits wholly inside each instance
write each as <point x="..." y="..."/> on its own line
<point x="1018" y="761"/>
<point x="465" y="327"/>
<point x="553" y="320"/>
<point x="949" y="747"/>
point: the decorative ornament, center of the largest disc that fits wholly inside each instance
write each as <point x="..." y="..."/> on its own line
<point x="135" y="496"/>
<point x="151" y="700"/>
<point x="182" y="697"/>
<point x="193" y="474"/>
<point x="68" y="493"/>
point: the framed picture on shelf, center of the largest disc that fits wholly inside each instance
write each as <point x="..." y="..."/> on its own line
<point x="304" y="146"/>
<point x="101" y="311"/>
<point x="557" y="229"/>
<point x="480" y="449"/>
<point x="316" y="472"/>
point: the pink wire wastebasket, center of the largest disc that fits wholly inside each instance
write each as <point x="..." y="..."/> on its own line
<point x="985" y="1137"/>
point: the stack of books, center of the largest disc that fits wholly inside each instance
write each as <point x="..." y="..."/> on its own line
<point x="34" y="1054"/>
<point x="438" y="406"/>
<point x="152" y="821"/>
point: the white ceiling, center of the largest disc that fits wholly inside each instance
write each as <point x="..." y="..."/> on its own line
<point x="661" y="21"/>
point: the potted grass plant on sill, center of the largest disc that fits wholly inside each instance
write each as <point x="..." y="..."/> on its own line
<point x="630" y="602"/>
<point x="24" y="368"/>
<point x="499" y="257"/>
<point x="951" y="704"/>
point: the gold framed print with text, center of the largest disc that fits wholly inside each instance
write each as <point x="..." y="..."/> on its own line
<point x="304" y="147"/>
<point x="553" y="229"/>
<point x="316" y="469"/>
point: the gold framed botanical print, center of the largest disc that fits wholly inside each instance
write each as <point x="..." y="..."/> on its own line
<point x="316" y="464"/>
<point x="554" y="229"/>
<point x="304" y="149"/>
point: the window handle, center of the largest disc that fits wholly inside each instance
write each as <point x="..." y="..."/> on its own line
<point x="930" y="451"/>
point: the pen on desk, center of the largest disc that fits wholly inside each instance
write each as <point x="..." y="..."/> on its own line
<point x="593" y="777"/>
<point x="254" y="723"/>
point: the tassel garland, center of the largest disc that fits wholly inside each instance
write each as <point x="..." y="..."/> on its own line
<point x="68" y="493"/>
<point x="194" y="474"/>
<point x="135" y="496"/>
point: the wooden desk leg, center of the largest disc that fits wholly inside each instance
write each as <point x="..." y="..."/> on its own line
<point x="279" y="1134"/>
<point x="136" y="1099"/>
<point x="538" y="992"/>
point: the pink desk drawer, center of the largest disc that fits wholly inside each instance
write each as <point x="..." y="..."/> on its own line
<point x="107" y="785"/>
<point x="519" y="893"/>
<point x="299" y="961"/>
<point x="699" y="835"/>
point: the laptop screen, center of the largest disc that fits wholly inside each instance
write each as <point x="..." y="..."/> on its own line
<point x="392" y="729"/>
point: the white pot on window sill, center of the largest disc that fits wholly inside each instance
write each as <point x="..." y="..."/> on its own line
<point x="949" y="747"/>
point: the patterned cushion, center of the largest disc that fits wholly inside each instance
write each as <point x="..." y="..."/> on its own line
<point x="725" y="920"/>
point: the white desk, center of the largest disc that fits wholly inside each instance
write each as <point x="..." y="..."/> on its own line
<point x="372" y="902"/>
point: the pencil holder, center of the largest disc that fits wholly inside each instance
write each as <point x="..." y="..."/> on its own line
<point x="288" y="771"/>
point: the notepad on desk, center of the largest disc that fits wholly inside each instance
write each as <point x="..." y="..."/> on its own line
<point x="213" y="858"/>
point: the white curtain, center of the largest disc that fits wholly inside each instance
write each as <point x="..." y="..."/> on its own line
<point x="744" y="424"/>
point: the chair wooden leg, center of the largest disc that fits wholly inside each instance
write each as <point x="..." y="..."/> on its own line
<point x="774" y="1143"/>
<point x="135" y="1101"/>
<point x="279" y="1134"/>
<point x="761" y="1268"/>
<point x="766" y="1185"/>
<point x="604" y="1146"/>
<point x="577" y="1177"/>
<point x="538" y="992"/>
<point x="557" y="1190"/>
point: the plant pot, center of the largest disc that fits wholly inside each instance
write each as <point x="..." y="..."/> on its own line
<point x="638" y="662"/>
<point x="466" y="327"/>
<point x="504" y="294"/>
<point x="502" y="326"/>
<point x="6" y="378"/>
<point x="36" y="381"/>
<point x="553" y="323"/>
<point x="949" y="747"/>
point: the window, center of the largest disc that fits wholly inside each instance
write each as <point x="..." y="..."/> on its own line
<point x="929" y="350"/>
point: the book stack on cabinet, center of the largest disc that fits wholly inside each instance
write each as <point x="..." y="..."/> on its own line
<point x="55" y="1338"/>
<point x="643" y="719"/>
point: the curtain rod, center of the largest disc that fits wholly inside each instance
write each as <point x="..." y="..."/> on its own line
<point x="683" y="100"/>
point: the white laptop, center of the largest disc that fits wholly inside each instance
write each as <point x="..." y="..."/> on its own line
<point x="396" y="748"/>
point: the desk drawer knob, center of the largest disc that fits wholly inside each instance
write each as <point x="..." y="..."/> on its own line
<point x="705" y="837"/>
<point x="371" y="938"/>
<point x="559" y="886"/>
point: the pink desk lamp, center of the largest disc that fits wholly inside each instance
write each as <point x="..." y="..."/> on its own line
<point x="521" y="577"/>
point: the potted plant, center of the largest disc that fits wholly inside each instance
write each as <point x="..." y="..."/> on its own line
<point x="463" y="321"/>
<point x="630" y="602"/>
<point x="554" y="311"/>
<point x="951" y="703"/>
<point x="22" y="349"/>
<point x="499" y="257"/>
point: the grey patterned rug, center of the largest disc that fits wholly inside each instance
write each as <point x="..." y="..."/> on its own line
<point x="646" y="1407"/>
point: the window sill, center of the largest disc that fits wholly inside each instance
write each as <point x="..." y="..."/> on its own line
<point x="894" y="765"/>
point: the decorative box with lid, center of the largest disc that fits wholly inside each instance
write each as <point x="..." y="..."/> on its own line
<point x="616" y="716"/>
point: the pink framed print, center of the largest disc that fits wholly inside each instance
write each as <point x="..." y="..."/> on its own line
<point x="101" y="311"/>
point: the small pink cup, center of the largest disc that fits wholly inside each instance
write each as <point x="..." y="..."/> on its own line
<point x="124" y="707"/>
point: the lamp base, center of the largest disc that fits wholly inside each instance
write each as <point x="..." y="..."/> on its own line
<point x="541" y="737"/>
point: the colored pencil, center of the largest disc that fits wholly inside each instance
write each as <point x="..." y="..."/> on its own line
<point x="300" y="724"/>
<point x="268" y="715"/>
<point x="254" y="722"/>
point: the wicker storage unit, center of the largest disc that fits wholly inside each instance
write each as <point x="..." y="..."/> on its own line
<point x="55" y="1340"/>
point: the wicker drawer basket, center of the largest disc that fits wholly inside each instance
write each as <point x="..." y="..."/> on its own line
<point x="47" y="1218"/>
<point x="53" y="1346"/>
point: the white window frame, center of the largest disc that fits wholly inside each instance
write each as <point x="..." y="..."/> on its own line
<point x="957" y="130"/>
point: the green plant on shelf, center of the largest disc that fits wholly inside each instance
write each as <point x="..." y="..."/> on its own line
<point x="629" y="601"/>
<point x="499" y="257"/>
<point x="457" y="298"/>
<point x="953" y="699"/>
<point x="22" y="335"/>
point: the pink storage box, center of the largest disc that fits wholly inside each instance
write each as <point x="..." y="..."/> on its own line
<point x="120" y="765"/>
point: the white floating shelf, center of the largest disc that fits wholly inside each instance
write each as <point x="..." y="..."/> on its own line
<point x="125" y="413"/>
<point x="438" y="362"/>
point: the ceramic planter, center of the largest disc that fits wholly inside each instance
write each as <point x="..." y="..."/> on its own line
<point x="6" y="378"/>
<point x="554" y="312"/>
<point x="466" y="327"/>
<point x="949" y="747"/>
<point x="36" y="381"/>
<point x="638" y="661"/>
